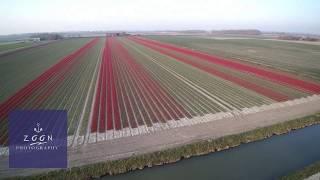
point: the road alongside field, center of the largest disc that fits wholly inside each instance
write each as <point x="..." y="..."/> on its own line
<point x="160" y="140"/>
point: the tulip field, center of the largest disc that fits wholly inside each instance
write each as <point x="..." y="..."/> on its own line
<point x="114" y="87"/>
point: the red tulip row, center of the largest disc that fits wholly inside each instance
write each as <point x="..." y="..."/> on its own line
<point x="249" y="85"/>
<point x="133" y="98"/>
<point x="105" y="112"/>
<point x="38" y="90"/>
<point x="26" y="91"/>
<point x="280" y="78"/>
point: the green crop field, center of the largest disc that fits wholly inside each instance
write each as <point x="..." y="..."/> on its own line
<point x="191" y="99"/>
<point x="19" y="68"/>
<point x="297" y="58"/>
<point x="67" y="70"/>
<point x="5" y="47"/>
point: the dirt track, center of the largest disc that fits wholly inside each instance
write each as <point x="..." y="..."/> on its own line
<point x="159" y="140"/>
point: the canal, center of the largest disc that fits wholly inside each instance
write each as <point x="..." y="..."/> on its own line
<point x="266" y="159"/>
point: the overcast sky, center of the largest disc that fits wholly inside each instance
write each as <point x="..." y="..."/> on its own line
<point x="23" y="16"/>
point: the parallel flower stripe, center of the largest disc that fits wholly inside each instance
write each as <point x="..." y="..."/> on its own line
<point x="116" y="87"/>
<point x="44" y="85"/>
<point x="278" y="77"/>
<point x="247" y="84"/>
<point x="142" y="100"/>
<point x="22" y="94"/>
<point x="106" y="114"/>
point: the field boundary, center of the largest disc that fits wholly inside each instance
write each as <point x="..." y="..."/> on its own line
<point x="127" y="132"/>
<point x="16" y="50"/>
<point x="171" y="155"/>
<point x="184" y="122"/>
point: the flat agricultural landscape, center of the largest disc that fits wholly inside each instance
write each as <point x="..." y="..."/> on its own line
<point x="130" y="95"/>
<point x="5" y="47"/>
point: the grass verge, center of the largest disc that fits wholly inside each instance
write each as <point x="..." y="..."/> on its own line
<point x="303" y="173"/>
<point x="175" y="154"/>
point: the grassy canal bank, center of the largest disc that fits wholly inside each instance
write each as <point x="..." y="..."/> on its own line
<point x="303" y="173"/>
<point x="178" y="153"/>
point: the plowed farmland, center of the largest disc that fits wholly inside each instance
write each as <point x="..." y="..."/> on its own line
<point x="115" y="87"/>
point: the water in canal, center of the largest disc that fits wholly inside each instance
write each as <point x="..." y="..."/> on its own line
<point x="266" y="159"/>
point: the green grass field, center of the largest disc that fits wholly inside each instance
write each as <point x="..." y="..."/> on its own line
<point x="297" y="58"/>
